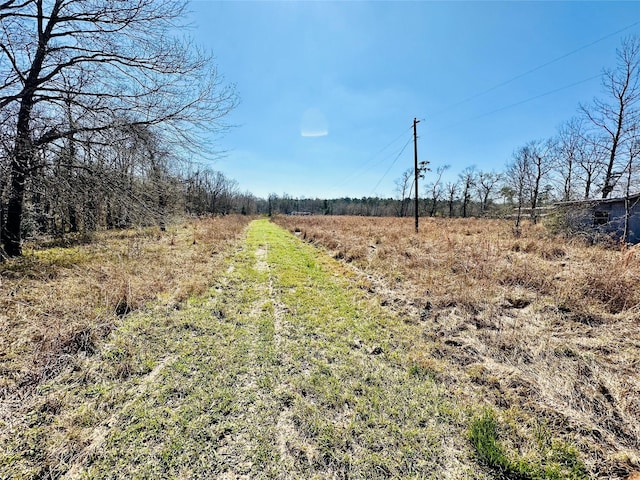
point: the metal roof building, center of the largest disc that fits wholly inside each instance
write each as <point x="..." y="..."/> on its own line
<point x="606" y="216"/>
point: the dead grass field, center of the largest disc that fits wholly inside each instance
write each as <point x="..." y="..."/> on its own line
<point x="58" y="304"/>
<point x="542" y="328"/>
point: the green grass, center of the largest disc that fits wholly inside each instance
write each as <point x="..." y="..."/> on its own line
<point x="559" y="461"/>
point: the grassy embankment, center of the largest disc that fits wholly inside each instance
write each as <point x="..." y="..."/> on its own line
<point x="538" y="327"/>
<point x="286" y="368"/>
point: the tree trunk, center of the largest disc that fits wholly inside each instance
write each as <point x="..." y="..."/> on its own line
<point x="518" y="218"/>
<point x="609" y="181"/>
<point x="12" y="229"/>
<point x="1" y="217"/>
<point x="536" y="190"/>
<point x="587" y="186"/>
<point x="465" y="202"/>
<point x="20" y="162"/>
<point x="567" y="182"/>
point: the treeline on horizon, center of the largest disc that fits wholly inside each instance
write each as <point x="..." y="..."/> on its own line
<point x="381" y="207"/>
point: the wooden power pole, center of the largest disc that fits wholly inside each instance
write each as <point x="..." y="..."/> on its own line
<point x="415" y="168"/>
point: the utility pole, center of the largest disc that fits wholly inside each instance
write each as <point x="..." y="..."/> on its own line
<point x="415" y="168"/>
<point x="417" y="171"/>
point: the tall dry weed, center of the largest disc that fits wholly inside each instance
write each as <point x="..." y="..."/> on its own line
<point x="538" y="322"/>
<point x="60" y="302"/>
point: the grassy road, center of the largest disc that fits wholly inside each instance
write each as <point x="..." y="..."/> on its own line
<point x="287" y="368"/>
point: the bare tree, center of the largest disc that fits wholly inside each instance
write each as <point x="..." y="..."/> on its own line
<point x="467" y="181"/>
<point x="222" y="192"/>
<point x="103" y="65"/>
<point x="248" y="203"/>
<point x="210" y="192"/>
<point x="567" y="146"/>
<point x="529" y="166"/>
<point x="617" y="116"/>
<point x="436" y="189"/>
<point x="578" y="159"/>
<point x="517" y="177"/>
<point x="537" y="155"/>
<point x="404" y="187"/>
<point x="486" y="183"/>
<point x="451" y="189"/>
<point x="590" y="163"/>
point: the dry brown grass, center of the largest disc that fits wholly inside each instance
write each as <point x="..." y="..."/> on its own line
<point x="542" y="327"/>
<point x="59" y="303"/>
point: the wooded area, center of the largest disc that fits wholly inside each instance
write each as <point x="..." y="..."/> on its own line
<point x="101" y="106"/>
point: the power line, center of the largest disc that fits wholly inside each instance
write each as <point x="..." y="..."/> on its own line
<point x="391" y="166"/>
<point x="392" y="141"/>
<point x="530" y="99"/>
<point x="366" y="165"/>
<point x="535" y="69"/>
<point x="579" y="82"/>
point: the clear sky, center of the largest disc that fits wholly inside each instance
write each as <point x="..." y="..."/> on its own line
<point x="329" y="90"/>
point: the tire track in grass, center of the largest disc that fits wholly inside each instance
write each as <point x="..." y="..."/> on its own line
<point x="209" y="413"/>
<point x="284" y="428"/>
<point x="98" y="436"/>
<point x="351" y="406"/>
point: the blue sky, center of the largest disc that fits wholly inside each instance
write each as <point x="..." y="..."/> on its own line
<point x="329" y="90"/>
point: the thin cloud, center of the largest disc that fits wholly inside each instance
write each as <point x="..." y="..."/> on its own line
<point x="315" y="133"/>
<point x="313" y="123"/>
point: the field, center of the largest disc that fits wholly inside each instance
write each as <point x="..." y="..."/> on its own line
<point x="539" y="326"/>
<point x="229" y="348"/>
